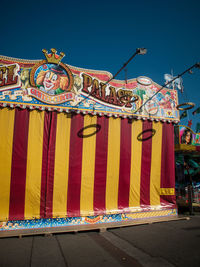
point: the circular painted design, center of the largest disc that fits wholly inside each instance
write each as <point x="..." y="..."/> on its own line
<point x="144" y="80"/>
<point x="52" y="79"/>
<point x="188" y="105"/>
<point x="151" y="107"/>
<point x="96" y="127"/>
<point x="146" y="135"/>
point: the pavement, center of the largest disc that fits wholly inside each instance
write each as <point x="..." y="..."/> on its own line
<point x="173" y="243"/>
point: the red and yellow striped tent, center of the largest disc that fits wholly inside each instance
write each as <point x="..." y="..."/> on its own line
<point x="47" y="169"/>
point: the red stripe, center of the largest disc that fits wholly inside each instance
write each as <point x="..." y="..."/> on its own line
<point x="51" y="163"/>
<point x="44" y="164"/>
<point x="18" y="169"/>
<point x="168" y="163"/>
<point x="146" y="163"/>
<point x="101" y="165"/>
<point x="197" y="148"/>
<point x="75" y="166"/>
<point x="125" y="164"/>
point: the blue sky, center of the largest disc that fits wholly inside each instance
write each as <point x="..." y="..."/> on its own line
<point x="103" y="35"/>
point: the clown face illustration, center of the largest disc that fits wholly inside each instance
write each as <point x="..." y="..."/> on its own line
<point x="51" y="81"/>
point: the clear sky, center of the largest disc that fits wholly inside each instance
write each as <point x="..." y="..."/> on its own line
<point x="103" y="35"/>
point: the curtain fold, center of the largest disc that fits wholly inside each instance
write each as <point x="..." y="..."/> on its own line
<point x="57" y="165"/>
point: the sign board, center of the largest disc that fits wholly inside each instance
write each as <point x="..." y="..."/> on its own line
<point x="52" y="85"/>
<point x="185" y="135"/>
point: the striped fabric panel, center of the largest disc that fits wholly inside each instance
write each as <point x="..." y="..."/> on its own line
<point x="61" y="165"/>
<point x="156" y="164"/>
<point x="88" y="165"/>
<point x="51" y="164"/>
<point x="75" y="166"/>
<point x="146" y="163"/>
<point x="125" y="164"/>
<point x="113" y="160"/>
<point x="34" y="165"/>
<point x="101" y="166"/>
<point x="47" y="121"/>
<point x="55" y="167"/>
<point x="19" y="163"/>
<point x="7" y="118"/>
<point x="168" y="164"/>
<point x="136" y="156"/>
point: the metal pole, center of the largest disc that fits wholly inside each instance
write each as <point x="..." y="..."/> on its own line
<point x="125" y="64"/>
<point x="189" y="187"/>
<point x="140" y="51"/>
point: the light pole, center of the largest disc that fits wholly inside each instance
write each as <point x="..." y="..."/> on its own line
<point x="139" y="51"/>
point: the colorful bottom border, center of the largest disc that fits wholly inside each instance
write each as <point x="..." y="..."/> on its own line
<point x="87" y="220"/>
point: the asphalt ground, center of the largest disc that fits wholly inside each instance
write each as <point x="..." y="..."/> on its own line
<point x="173" y="243"/>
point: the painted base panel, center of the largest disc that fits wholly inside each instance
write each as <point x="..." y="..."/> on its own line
<point x="55" y="225"/>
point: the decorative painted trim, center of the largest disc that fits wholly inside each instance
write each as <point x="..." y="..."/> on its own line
<point x="78" y="111"/>
<point x="85" y="92"/>
<point x="85" y="220"/>
<point x="167" y="191"/>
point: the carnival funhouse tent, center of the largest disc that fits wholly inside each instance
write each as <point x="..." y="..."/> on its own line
<point x="76" y="152"/>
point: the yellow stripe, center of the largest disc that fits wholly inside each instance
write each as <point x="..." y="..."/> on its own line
<point x="113" y="159"/>
<point x="61" y="165"/>
<point x="88" y="167"/>
<point x="183" y="147"/>
<point x="34" y="165"/>
<point x="136" y="157"/>
<point x="156" y="164"/>
<point x="167" y="191"/>
<point x="6" y="142"/>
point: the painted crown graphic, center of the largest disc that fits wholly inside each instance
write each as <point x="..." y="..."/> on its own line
<point x="53" y="57"/>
